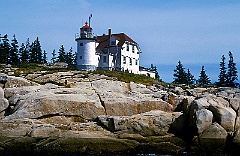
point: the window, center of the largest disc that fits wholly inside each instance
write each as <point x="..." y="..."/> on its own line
<point x="130" y="61"/>
<point x="113" y="43"/>
<point x="80" y="57"/>
<point x="124" y="59"/>
<point x="133" y="48"/>
<point x="127" y="46"/>
<point x="81" y="44"/>
<point x="136" y="62"/>
<point x="104" y="59"/>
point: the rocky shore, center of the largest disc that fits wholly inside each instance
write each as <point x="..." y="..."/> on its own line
<point x="94" y="114"/>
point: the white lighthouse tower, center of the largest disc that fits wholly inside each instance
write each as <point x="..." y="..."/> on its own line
<point x="86" y="49"/>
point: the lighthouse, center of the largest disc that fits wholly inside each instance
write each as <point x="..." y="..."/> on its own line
<point x="87" y="59"/>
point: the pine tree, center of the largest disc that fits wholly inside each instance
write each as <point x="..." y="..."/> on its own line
<point x="179" y="74"/>
<point x="232" y="71"/>
<point x="44" y="60"/>
<point x="32" y="53"/>
<point x="154" y="69"/>
<point x="35" y="52"/>
<point x="13" y="53"/>
<point x="24" y="53"/>
<point x="61" y="54"/>
<point x="203" y="78"/>
<point x="54" y="58"/>
<point x="190" y="78"/>
<point x="69" y="57"/>
<point x="222" y="75"/>
<point x="4" y="50"/>
<point x="39" y="54"/>
<point x="75" y="58"/>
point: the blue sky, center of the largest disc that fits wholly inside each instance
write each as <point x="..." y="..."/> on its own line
<point x="192" y="31"/>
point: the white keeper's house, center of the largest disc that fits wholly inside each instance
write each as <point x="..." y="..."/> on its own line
<point x="107" y="52"/>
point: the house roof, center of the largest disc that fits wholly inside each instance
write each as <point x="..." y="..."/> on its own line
<point x="104" y="40"/>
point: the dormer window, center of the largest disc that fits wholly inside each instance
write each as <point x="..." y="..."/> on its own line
<point x="113" y="43"/>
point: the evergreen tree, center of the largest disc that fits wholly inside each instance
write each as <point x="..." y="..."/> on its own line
<point x="69" y="57"/>
<point x="154" y="69"/>
<point x="39" y="51"/>
<point x="54" y="58"/>
<point x="61" y="54"/>
<point x="232" y="71"/>
<point x="203" y="78"/>
<point x="35" y="52"/>
<point x="32" y="53"/>
<point x="13" y="53"/>
<point x="190" y="78"/>
<point x="179" y="74"/>
<point x="24" y="53"/>
<point x="4" y="50"/>
<point x="44" y="60"/>
<point x="75" y="58"/>
<point x="222" y="75"/>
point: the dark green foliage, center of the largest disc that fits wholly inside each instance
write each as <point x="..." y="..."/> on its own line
<point x="4" y="49"/>
<point x="222" y="75"/>
<point x="13" y="53"/>
<point x="179" y="74"/>
<point x="44" y="60"/>
<point x="35" y="52"/>
<point x="154" y="69"/>
<point x="54" y="58"/>
<point x="203" y="78"/>
<point x="61" y="54"/>
<point x="190" y="78"/>
<point x="69" y="57"/>
<point x="232" y="72"/>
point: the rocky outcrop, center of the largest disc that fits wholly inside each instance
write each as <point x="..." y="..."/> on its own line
<point x="86" y="110"/>
<point x="146" y="124"/>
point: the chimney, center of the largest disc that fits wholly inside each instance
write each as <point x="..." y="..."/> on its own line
<point x="110" y="32"/>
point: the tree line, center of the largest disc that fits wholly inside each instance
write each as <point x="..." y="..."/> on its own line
<point x="227" y="75"/>
<point x="12" y="53"/>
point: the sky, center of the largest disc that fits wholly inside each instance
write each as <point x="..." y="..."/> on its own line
<point x="192" y="31"/>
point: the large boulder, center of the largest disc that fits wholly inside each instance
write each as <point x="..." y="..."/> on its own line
<point x="121" y="99"/>
<point x="204" y="119"/>
<point x="150" y="123"/>
<point x="207" y="100"/>
<point x="213" y="138"/>
<point x="225" y="116"/>
<point x="3" y="106"/>
<point x="1" y="93"/>
<point x="14" y="82"/>
<point x="49" y="100"/>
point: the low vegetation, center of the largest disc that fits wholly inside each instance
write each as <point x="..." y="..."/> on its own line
<point x="130" y="77"/>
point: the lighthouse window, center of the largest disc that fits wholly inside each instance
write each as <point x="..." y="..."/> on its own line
<point x="81" y="44"/>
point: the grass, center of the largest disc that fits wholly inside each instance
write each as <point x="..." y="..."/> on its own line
<point x="130" y="77"/>
<point x="30" y="68"/>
